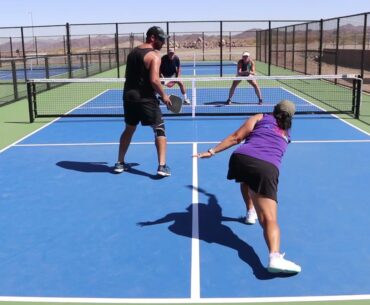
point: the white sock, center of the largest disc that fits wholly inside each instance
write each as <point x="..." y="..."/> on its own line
<point x="274" y="254"/>
<point x="185" y="96"/>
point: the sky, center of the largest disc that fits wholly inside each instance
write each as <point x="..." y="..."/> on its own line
<point x="59" y="12"/>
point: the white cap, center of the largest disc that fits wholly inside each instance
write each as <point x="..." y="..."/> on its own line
<point x="246" y="54"/>
<point x="171" y="50"/>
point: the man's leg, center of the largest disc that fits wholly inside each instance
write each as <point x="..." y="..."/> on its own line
<point x="124" y="143"/>
<point x="161" y="146"/>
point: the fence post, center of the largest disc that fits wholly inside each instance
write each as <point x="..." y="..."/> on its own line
<point x="337" y="49"/>
<point x="221" y="49"/>
<point x="117" y="49"/>
<point x="69" y="58"/>
<point x="168" y="37"/>
<point x="293" y="49"/>
<point x="203" y="45"/>
<point x="230" y="45"/>
<point x="11" y="47"/>
<point x="320" y="46"/>
<point x="87" y="65"/>
<point x="14" y="76"/>
<point x="269" y="54"/>
<point x="363" y="47"/>
<point x="24" y="55"/>
<point x="305" y="52"/>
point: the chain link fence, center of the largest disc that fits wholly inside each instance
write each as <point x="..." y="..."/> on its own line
<point x="338" y="45"/>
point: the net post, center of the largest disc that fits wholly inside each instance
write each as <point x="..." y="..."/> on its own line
<point x="358" y="97"/>
<point x="29" y="96"/>
<point x="47" y="74"/>
<point x="193" y="97"/>
<point x="33" y="94"/>
<point x="14" y="76"/>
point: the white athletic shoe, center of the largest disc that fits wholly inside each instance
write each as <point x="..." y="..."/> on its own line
<point x="251" y="217"/>
<point x="187" y="101"/>
<point x="278" y="264"/>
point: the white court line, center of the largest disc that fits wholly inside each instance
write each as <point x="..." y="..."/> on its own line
<point x="46" y="125"/>
<point x="195" y="260"/>
<point x="176" y="143"/>
<point x="187" y="301"/>
<point x="333" y="115"/>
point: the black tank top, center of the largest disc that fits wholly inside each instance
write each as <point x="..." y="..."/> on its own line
<point x="137" y="85"/>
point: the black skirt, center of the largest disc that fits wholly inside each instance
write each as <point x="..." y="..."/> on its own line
<point x="261" y="176"/>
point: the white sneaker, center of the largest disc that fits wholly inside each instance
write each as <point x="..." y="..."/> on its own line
<point x="278" y="263"/>
<point x="251" y="217"/>
<point x="187" y="101"/>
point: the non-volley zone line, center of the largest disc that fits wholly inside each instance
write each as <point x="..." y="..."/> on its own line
<point x="178" y="143"/>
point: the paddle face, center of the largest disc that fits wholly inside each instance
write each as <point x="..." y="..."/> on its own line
<point x="176" y="104"/>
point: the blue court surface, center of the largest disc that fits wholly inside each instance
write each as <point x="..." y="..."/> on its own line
<point x="71" y="228"/>
<point x="208" y="100"/>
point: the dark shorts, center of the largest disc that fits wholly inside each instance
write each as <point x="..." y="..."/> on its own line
<point x="261" y="176"/>
<point x="147" y="112"/>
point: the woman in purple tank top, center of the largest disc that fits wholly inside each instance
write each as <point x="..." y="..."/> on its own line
<point x="255" y="165"/>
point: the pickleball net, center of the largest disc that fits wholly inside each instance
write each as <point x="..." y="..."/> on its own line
<point x="102" y="97"/>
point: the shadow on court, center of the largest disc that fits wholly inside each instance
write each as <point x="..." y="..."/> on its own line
<point x="102" y="167"/>
<point x="224" y="103"/>
<point x="212" y="230"/>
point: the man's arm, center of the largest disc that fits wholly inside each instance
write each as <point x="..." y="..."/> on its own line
<point x="178" y="68"/>
<point x="154" y="62"/>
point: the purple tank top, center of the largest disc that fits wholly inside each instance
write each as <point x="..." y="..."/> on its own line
<point x="266" y="142"/>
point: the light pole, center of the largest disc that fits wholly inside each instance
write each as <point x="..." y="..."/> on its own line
<point x="33" y="33"/>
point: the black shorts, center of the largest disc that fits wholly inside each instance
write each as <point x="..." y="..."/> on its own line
<point x="147" y="112"/>
<point x="261" y="176"/>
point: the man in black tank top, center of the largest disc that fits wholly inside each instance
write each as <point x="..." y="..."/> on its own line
<point x="139" y="101"/>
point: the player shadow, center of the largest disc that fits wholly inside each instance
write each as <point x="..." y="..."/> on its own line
<point x="225" y="103"/>
<point x="86" y="167"/>
<point x="212" y="230"/>
<point x="102" y="167"/>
